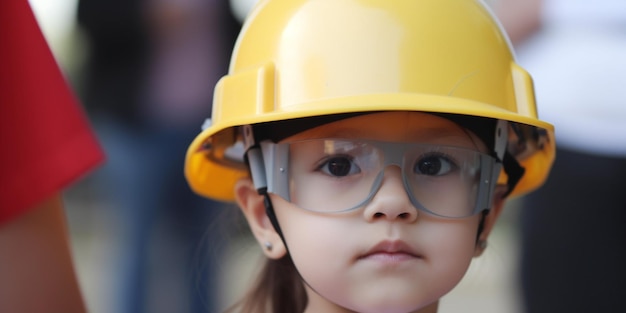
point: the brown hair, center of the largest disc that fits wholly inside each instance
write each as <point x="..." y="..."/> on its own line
<point x="278" y="289"/>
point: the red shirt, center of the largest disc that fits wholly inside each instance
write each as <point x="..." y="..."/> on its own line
<point x="45" y="140"/>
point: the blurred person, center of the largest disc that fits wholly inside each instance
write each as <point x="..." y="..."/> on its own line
<point x="147" y="84"/>
<point x="573" y="234"/>
<point x="47" y="145"/>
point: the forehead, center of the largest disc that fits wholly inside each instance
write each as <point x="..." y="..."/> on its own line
<point x="395" y="127"/>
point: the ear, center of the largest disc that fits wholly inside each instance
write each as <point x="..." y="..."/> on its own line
<point x="253" y="207"/>
<point x="491" y="218"/>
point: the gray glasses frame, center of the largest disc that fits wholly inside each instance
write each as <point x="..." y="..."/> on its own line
<point x="269" y="166"/>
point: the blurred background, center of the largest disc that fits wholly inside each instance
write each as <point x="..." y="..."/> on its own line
<point x="145" y="70"/>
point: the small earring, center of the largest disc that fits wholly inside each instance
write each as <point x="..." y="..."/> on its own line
<point x="268" y="246"/>
<point x="482" y="244"/>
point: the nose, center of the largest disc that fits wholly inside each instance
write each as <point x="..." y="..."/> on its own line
<point x="391" y="201"/>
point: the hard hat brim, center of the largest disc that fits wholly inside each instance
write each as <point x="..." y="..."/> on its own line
<point x="215" y="176"/>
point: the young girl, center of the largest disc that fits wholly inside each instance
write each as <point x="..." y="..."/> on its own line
<point x="381" y="140"/>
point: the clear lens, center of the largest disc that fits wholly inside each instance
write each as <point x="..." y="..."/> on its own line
<point x="443" y="180"/>
<point x="334" y="175"/>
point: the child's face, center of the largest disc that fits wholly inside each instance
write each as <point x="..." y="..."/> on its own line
<point x="386" y="256"/>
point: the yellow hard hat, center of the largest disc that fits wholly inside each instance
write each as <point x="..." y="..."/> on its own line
<point x="296" y="59"/>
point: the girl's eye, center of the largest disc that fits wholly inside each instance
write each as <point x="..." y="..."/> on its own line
<point x="339" y="166"/>
<point x="433" y="165"/>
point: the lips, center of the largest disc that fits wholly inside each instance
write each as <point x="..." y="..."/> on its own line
<point x="391" y="251"/>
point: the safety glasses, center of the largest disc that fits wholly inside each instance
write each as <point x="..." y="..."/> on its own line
<point x="339" y="175"/>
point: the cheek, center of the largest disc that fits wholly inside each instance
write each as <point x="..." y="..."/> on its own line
<point x="450" y="246"/>
<point x="320" y="246"/>
<point x="311" y="236"/>
<point x="316" y="239"/>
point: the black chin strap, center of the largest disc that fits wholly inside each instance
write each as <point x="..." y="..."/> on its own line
<point x="269" y="211"/>
<point x="481" y="224"/>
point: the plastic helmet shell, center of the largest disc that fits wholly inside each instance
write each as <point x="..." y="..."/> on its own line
<point x="297" y="58"/>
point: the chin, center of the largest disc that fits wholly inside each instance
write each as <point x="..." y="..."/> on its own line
<point x="393" y="305"/>
<point x="386" y="309"/>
